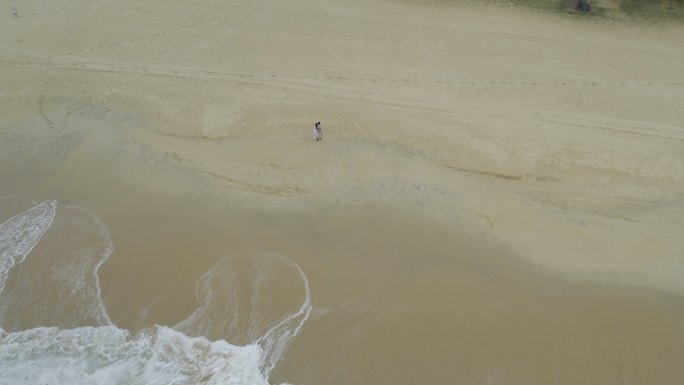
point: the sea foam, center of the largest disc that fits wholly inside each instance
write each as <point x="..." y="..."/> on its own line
<point x="242" y="300"/>
<point x="20" y="234"/>
<point x="108" y="355"/>
<point x="57" y="284"/>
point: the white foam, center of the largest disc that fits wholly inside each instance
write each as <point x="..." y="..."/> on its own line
<point x="108" y="355"/>
<point x="58" y="285"/>
<point x="242" y="300"/>
<point x="20" y="234"/>
<point x="103" y="257"/>
<point x="276" y="339"/>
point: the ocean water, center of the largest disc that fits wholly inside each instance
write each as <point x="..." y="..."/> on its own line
<point x="148" y="291"/>
<point x="55" y="328"/>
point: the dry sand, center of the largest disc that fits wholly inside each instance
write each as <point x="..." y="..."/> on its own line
<point x="498" y="196"/>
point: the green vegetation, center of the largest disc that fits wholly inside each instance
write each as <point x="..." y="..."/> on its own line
<point x="653" y="9"/>
<point x="638" y="10"/>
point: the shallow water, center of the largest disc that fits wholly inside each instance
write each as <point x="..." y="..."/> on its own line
<point x="133" y="291"/>
<point x="56" y="329"/>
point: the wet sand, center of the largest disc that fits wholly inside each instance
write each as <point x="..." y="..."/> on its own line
<point x="497" y="198"/>
<point x="398" y="298"/>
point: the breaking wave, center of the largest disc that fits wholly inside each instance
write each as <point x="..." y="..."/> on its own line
<point x="54" y="327"/>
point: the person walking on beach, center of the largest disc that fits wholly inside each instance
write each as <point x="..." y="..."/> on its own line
<point x="13" y="11"/>
<point x="317" y="128"/>
<point x="317" y="131"/>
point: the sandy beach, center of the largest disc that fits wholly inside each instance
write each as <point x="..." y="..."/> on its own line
<point x="498" y="197"/>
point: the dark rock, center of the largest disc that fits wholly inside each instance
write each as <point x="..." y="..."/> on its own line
<point x="583" y="6"/>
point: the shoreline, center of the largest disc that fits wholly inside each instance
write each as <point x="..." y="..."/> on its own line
<point x="466" y="304"/>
